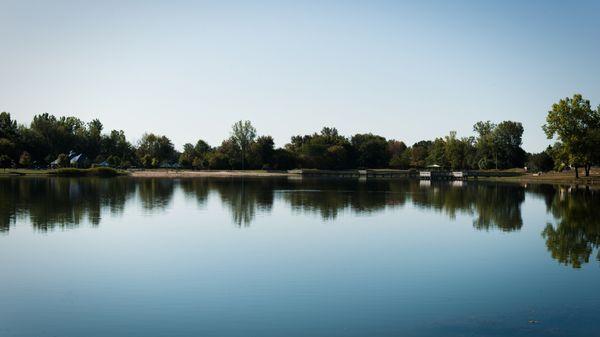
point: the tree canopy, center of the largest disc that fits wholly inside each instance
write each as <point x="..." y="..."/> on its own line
<point x="571" y="122"/>
<point x="577" y="126"/>
<point x="242" y="134"/>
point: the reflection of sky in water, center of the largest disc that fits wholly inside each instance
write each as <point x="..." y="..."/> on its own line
<point x="215" y="257"/>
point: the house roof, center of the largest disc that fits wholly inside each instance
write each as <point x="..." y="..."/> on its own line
<point x="77" y="158"/>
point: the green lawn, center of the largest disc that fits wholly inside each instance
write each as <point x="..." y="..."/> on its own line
<point x="63" y="172"/>
<point x="21" y="171"/>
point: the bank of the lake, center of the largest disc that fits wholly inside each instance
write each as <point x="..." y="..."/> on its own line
<point x="525" y="177"/>
<point x="206" y="173"/>
<point x="67" y="172"/>
<point x="567" y="178"/>
<point x="560" y="178"/>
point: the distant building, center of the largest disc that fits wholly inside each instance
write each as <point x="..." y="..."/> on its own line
<point x="170" y="165"/>
<point x="79" y="160"/>
<point x="75" y="160"/>
<point x="55" y="163"/>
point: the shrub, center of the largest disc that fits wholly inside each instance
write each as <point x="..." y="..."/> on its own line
<point x="25" y="159"/>
<point x="6" y="161"/>
<point x="92" y="172"/>
<point x="540" y="162"/>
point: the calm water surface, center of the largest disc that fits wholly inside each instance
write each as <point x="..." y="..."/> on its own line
<point x="279" y="257"/>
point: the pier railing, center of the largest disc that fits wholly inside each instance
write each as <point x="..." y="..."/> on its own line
<point x="389" y="173"/>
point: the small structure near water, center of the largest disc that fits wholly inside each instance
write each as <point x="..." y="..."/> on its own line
<point x="436" y="174"/>
<point x="382" y="173"/>
<point x="74" y="160"/>
<point x="79" y="161"/>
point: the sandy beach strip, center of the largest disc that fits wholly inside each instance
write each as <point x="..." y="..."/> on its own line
<point x="207" y="173"/>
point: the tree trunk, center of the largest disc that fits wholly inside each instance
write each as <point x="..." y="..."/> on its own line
<point x="243" y="158"/>
<point x="576" y="172"/>
<point x="587" y="170"/>
<point x="496" y="159"/>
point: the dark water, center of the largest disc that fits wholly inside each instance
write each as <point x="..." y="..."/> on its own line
<point x="278" y="257"/>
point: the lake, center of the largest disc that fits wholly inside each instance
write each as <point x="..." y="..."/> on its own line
<point x="292" y="257"/>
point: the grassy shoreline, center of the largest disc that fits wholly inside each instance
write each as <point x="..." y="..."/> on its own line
<point x="530" y="179"/>
<point x="207" y="173"/>
<point x="65" y="172"/>
<point x="567" y="178"/>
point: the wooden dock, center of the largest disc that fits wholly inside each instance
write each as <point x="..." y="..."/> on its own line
<point x="369" y="174"/>
<point x="391" y="174"/>
<point x="439" y="175"/>
<point x="463" y="175"/>
<point x="326" y="173"/>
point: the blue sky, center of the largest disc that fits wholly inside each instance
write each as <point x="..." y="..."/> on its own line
<point x="405" y="70"/>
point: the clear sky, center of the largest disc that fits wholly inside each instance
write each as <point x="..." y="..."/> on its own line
<point x="404" y="70"/>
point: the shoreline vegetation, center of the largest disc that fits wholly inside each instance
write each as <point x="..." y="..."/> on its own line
<point x="513" y="175"/>
<point x="79" y="148"/>
<point x="66" y="172"/>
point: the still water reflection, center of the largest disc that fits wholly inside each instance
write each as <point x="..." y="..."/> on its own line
<point x="572" y="236"/>
<point x="422" y="227"/>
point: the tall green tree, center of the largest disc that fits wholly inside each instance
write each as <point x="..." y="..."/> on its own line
<point x="559" y="154"/>
<point x="575" y="124"/>
<point x="399" y="154"/>
<point x="243" y="134"/>
<point x="459" y="152"/>
<point x="487" y="152"/>
<point x="325" y="150"/>
<point x="437" y="153"/>
<point x="159" y="148"/>
<point x="499" y="145"/>
<point x="5" y="161"/>
<point x="262" y="152"/>
<point x="8" y="127"/>
<point x="284" y="159"/>
<point x="188" y="155"/>
<point x="419" y="153"/>
<point x="371" y="150"/>
<point x="7" y="147"/>
<point x="93" y="138"/>
<point x="508" y="137"/>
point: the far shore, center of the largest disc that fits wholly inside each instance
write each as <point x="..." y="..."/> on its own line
<point x="205" y="173"/>
<point x="565" y="178"/>
<point x="556" y="178"/>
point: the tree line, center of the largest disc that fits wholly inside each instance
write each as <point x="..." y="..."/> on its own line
<point x="572" y="122"/>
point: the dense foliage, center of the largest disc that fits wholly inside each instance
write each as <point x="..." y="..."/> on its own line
<point x="577" y="127"/>
<point x="50" y="140"/>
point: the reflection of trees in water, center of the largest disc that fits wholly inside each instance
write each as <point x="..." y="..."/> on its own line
<point x="8" y="206"/>
<point x="576" y="232"/>
<point x="63" y="202"/>
<point x="244" y="197"/>
<point x="330" y="197"/>
<point x="155" y="194"/>
<point x="196" y="189"/>
<point x="493" y="205"/>
<point x="499" y="206"/>
<point x="67" y="202"/>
